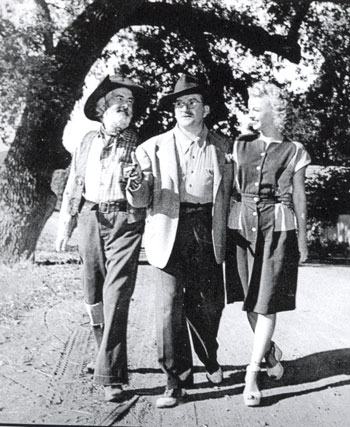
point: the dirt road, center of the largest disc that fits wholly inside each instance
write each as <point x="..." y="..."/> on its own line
<point x="45" y="345"/>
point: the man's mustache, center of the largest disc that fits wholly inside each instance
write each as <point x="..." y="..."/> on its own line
<point x="123" y="110"/>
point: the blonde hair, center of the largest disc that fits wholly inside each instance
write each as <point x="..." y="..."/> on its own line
<point x="279" y="104"/>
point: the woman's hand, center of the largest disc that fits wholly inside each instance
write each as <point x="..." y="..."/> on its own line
<point x="303" y="250"/>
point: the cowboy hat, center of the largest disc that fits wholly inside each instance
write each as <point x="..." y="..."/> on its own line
<point x="108" y="84"/>
<point x="184" y="86"/>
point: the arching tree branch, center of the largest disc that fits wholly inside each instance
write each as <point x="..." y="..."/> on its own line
<point x="176" y="16"/>
<point x="301" y="8"/>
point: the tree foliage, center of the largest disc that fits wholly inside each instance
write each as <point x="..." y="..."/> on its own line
<point x="49" y="50"/>
<point x="328" y="194"/>
<point x="325" y="107"/>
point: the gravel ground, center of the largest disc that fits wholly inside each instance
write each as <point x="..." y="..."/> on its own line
<point x="45" y="345"/>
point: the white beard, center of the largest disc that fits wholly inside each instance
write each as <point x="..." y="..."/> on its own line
<point x="116" y="121"/>
<point x="121" y="120"/>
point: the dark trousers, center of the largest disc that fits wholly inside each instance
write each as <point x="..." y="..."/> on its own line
<point x="189" y="295"/>
<point x="109" y="247"/>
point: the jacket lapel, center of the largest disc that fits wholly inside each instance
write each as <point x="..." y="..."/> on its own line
<point x="216" y="162"/>
<point x="168" y="158"/>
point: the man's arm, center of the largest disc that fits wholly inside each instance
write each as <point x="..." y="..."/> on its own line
<point x="66" y="222"/>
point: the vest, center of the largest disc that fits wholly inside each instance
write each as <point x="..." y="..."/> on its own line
<point x="75" y="200"/>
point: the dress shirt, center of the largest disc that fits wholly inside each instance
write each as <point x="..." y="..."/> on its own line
<point x="195" y="168"/>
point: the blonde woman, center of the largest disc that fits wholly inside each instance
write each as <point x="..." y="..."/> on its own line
<point x="268" y="211"/>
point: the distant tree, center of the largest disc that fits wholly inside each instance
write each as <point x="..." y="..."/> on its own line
<point x="324" y="109"/>
<point x="328" y="194"/>
<point x="51" y="56"/>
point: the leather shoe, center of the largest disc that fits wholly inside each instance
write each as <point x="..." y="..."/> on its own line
<point x="274" y="368"/>
<point x="188" y="382"/>
<point x="216" y="377"/>
<point x="170" y="398"/>
<point x="90" y="368"/>
<point x="113" y="393"/>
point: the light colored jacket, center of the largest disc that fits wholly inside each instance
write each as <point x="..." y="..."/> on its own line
<point x="159" y="191"/>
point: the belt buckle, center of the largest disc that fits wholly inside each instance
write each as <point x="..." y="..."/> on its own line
<point x="191" y="209"/>
<point x="103" y="207"/>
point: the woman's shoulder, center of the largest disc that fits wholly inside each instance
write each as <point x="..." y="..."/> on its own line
<point x="302" y="157"/>
<point x="298" y="145"/>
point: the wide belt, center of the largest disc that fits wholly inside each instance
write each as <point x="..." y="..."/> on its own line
<point x="263" y="198"/>
<point x="189" y="208"/>
<point x="106" y="207"/>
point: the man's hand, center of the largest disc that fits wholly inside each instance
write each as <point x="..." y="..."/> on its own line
<point x="135" y="176"/>
<point x="61" y="243"/>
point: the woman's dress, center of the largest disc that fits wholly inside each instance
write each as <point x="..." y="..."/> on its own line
<point x="265" y="228"/>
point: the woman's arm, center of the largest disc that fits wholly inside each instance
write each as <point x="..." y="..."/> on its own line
<point x="299" y="201"/>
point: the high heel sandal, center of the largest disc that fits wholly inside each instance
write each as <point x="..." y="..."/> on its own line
<point x="251" y="398"/>
<point x="274" y="368"/>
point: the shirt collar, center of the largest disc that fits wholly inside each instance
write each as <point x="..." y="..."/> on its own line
<point x="268" y="139"/>
<point x="108" y="139"/>
<point x="186" y="139"/>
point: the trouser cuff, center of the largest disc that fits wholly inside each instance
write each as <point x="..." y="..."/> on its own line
<point x="95" y="312"/>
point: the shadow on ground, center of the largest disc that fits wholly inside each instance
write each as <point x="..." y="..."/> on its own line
<point x="300" y="372"/>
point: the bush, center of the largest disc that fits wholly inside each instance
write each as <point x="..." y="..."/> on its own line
<point x="328" y="248"/>
<point x="328" y="193"/>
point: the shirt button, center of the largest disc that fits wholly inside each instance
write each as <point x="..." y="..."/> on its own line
<point x="79" y="180"/>
<point x="256" y="184"/>
<point x="258" y="168"/>
<point x="253" y="229"/>
<point x="192" y="172"/>
<point x="255" y="213"/>
<point x="256" y="199"/>
<point x="263" y="153"/>
<point x="190" y="185"/>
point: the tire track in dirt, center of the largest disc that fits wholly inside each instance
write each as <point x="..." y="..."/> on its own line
<point x="68" y="369"/>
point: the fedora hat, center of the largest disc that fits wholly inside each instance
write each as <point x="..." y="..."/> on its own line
<point x="184" y="86"/>
<point x="106" y="85"/>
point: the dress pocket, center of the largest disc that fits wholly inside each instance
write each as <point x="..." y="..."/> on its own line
<point x="284" y="218"/>
<point x="234" y="217"/>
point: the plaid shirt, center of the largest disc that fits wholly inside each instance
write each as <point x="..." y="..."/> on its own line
<point x="104" y="179"/>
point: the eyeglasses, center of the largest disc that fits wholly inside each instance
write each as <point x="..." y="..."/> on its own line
<point x="191" y="103"/>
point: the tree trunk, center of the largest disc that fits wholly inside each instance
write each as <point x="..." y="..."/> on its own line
<point x="26" y="200"/>
<point x="21" y="223"/>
